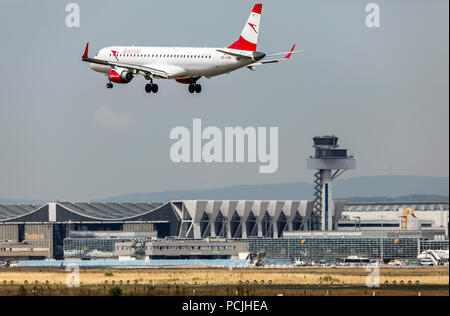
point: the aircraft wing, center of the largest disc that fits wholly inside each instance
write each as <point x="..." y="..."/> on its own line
<point x="146" y="71"/>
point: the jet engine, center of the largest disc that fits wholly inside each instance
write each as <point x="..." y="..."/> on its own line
<point x="120" y="76"/>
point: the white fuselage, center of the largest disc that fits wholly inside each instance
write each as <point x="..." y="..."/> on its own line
<point x="441" y="254"/>
<point x="177" y="62"/>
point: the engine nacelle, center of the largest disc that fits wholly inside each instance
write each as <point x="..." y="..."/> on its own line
<point x="120" y="76"/>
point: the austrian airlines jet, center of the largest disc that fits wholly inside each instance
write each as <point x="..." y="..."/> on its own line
<point x="185" y="65"/>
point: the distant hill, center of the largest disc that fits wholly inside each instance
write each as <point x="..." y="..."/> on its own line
<point x="21" y="201"/>
<point x="359" y="190"/>
<point x="373" y="189"/>
<point x="409" y="198"/>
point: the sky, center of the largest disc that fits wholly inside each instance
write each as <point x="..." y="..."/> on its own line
<point x="64" y="136"/>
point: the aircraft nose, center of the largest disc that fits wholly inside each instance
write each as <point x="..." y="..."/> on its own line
<point x="257" y="56"/>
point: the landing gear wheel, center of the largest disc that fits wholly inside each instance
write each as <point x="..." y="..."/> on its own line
<point x="109" y="85"/>
<point x="192" y="88"/>
<point x="155" y="88"/>
<point x="198" y="88"/>
<point x="148" y="88"/>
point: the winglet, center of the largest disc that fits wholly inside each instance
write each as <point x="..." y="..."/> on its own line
<point x="290" y="54"/>
<point x="86" y="51"/>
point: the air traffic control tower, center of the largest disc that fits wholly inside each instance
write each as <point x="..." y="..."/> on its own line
<point x="330" y="162"/>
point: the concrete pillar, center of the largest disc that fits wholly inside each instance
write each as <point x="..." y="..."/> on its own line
<point x="290" y="226"/>
<point x="274" y="228"/>
<point x="52" y="212"/>
<point x="244" y="228"/>
<point x="260" y="231"/>
<point x="228" y="223"/>
<point x="212" y="228"/>
<point x="197" y="230"/>
<point x="327" y="201"/>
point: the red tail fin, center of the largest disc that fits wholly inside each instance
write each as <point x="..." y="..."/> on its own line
<point x="249" y="37"/>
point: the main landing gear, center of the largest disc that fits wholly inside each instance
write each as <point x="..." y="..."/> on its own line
<point x="109" y="85"/>
<point x="151" y="87"/>
<point x="194" y="87"/>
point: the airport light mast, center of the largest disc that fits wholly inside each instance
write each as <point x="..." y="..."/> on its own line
<point x="330" y="162"/>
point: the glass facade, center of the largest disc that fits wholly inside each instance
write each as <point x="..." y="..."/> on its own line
<point x="289" y="248"/>
<point x="340" y="248"/>
<point x="87" y="248"/>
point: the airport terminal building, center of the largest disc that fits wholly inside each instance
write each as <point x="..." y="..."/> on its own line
<point x="281" y="229"/>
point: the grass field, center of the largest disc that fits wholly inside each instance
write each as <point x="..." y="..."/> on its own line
<point x="248" y="282"/>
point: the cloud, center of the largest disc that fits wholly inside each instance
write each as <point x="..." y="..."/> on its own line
<point x="105" y="117"/>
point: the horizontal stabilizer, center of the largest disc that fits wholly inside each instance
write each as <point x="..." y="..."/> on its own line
<point x="272" y="61"/>
<point x="288" y="54"/>
<point x="236" y="53"/>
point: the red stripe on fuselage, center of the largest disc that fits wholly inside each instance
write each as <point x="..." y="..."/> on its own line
<point x="184" y="81"/>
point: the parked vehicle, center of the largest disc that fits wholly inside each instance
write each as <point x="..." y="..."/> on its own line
<point x="426" y="262"/>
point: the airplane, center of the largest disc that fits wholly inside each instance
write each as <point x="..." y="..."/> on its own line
<point x="438" y="254"/>
<point x="186" y="65"/>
